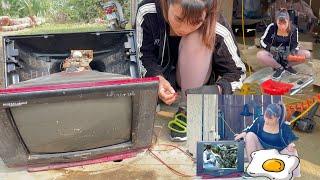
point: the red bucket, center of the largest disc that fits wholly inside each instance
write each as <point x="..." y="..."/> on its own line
<point x="275" y="88"/>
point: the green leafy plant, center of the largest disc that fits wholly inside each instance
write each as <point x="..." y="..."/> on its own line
<point x="22" y="8"/>
<point x="58" y="11"/>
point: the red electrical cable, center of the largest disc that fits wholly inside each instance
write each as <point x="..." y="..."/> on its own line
<point x="164" y="163"/>
<point x="177" y="147"/>
<point x="169" y="167"/>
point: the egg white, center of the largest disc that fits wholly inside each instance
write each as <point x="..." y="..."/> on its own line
<point x="255" y="168"/>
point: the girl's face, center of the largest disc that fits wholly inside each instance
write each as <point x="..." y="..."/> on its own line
<point x="270" y="119"/>
<point x="178" y="25"/>
<point x="283" y="25"/>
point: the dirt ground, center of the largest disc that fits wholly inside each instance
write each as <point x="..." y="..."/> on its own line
<point x="144" y="166"/>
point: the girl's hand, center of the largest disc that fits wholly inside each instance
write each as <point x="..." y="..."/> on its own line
<point x="239" y="136"/>
<point x="166" y="92"/>
<point x="291" y="147"/>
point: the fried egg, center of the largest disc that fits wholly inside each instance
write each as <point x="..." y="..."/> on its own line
<point x="273" y="165"/>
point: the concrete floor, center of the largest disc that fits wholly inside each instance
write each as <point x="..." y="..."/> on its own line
<point x="144" y="166"/>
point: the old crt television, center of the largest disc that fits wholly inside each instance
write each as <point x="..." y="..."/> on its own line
<point x="63" y="117"/>
<point x="65" y="122"/>
<point x="220" y="159"/>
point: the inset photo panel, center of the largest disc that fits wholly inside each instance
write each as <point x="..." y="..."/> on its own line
<point x="225" y="131"/>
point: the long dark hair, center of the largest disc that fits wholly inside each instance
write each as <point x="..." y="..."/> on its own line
<point x="192" y="11"/>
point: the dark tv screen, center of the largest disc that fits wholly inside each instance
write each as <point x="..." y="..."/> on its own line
<point x="76" y="125"/>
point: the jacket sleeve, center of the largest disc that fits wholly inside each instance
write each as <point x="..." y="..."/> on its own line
<point x="295" y="40"/>
<point x="227" y="63"/>
<point x="145" y="43"/>
<point x="266" y="39"/>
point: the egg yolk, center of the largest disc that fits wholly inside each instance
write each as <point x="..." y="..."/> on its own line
<point x="273" y="165"/>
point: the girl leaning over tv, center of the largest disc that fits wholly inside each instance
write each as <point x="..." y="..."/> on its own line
<point x="187" y="44"/>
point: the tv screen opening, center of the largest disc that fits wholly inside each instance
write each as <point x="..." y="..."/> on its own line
<point x="220" y="158"/>
<point x="76" y="125"/>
